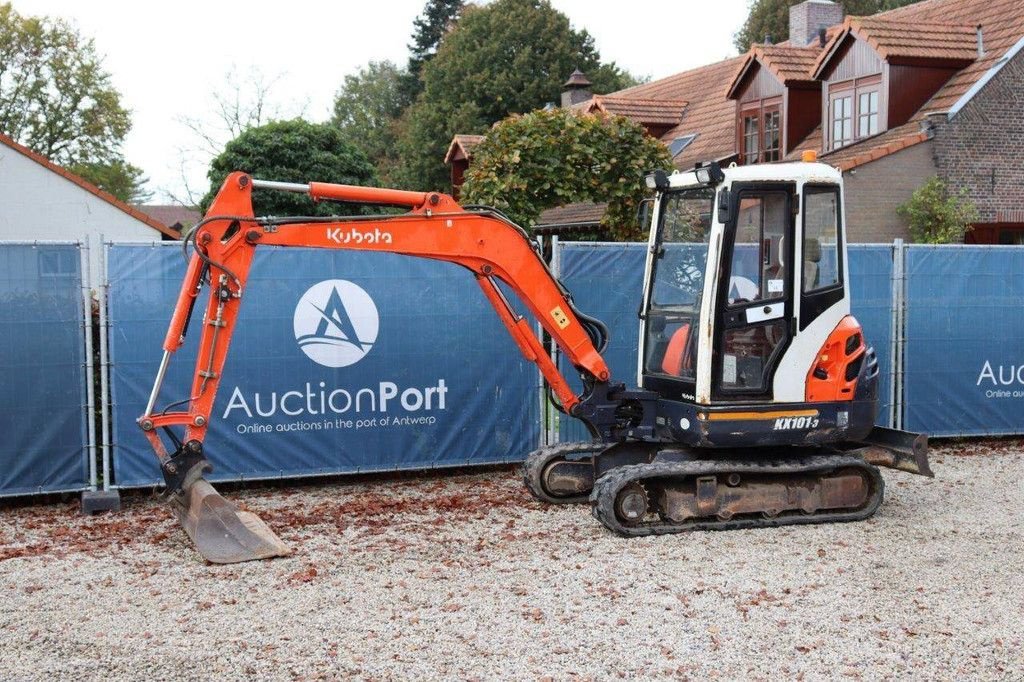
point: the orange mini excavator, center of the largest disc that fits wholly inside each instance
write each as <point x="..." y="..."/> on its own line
<point x="757" y="392"/>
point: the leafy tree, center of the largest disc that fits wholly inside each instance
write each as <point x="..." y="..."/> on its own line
<point x="366" y="112"/>
<point x="510" y="56"/>
<point x="437" y="18"/>
<point x="55" y="97"/>
<point x="292" y="151"/>
<point x="531" y="162"/>
<point x="122" y="179"/>
<point x="936" y="215"/>
<point x="771" y="18"/>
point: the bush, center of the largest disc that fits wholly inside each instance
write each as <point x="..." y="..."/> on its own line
<point x="529" y="163"/>
<point x="937" y="216"/>
<point x="292" y="151"/>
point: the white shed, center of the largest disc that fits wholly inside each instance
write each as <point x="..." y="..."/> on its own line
<point x="41" y="201"/>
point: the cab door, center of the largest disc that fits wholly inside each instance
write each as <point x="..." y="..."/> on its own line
<point x="755" y="292"/>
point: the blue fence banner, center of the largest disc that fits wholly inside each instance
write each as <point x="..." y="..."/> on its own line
<point x="964" y="357"/>
<point x="42" y="370"/>
<point x="871" y="283"/>
<point x="606" y="281"/>
<point x="341" y="362"/>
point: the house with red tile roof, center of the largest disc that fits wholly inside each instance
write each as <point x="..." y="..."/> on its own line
<point x="40" y="201"/>
<point x="933" y="88"/>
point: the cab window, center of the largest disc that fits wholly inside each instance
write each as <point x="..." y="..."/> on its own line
<point x="758" y="271"/>
<point x="821" y="239"/>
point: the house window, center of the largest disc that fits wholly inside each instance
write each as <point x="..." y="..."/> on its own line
<point x="750" y="135"/>
<point x="772" y="139"/>
<point x="854" y="111"/>
<point x="842" y="121"/>
<point x="867" y="113"/>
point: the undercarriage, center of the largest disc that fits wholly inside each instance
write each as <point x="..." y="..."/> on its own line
<point x="638" y="488"/>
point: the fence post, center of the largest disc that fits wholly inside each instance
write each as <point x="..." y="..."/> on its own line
<point x="104" y="362"/>
<point x="552" y="418"/>
<point x="90" y="392"/>
<point x="898" y="330"/>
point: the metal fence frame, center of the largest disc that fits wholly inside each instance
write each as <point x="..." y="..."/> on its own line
<point x="87" y="391"/>
<point x="98" y="447"/>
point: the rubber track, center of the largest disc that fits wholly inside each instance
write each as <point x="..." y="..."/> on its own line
<point x="535" y="462"/>
<point x="602" y="498"/>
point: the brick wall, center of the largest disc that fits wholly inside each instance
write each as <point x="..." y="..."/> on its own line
<point x="982" y="147"/>
<point x="876" y="189"/>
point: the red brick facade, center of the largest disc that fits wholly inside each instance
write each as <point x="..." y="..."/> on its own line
<point x="981" y="147"/>
<point x="876" y="189"/>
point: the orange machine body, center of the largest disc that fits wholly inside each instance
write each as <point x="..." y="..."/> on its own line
<point x="832" y="376"/>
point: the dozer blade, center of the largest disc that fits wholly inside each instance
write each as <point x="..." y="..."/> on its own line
<point x="897" y="450"/>
<point x="221" y="532"/>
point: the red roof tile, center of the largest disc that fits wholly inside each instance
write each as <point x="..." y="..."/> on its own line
<point x="642" y="110"/>
<point x="708" y="112"/>
<point x="787" y="63"/>
<point x="583" y="213"/>
<point x="88" y="187"/>
<point x="461" y="147"/>
<point x="172" y="215"/>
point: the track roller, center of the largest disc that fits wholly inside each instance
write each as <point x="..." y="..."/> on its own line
<point x="562" y="474"/>
<point x="672" y="497"/>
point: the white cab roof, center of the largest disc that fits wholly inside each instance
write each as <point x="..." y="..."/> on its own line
<point x="799" y="171"/>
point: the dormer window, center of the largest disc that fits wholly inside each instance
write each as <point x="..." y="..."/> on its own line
<point x="878" y="71"/>
<point x="776" y="102"/>
<point x="761" y="131"/>
<point x="853" y="111"/>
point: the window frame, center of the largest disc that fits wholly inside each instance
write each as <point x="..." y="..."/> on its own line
<point x="816" y="301"/>
<point x="757" y="110"/>
<point x="765" y="149"/>
<point x="854" y="88"/>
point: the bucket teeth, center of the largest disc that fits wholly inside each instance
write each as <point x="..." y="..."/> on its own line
<point x="221" y="532"/>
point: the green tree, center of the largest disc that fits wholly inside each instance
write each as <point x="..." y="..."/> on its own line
<point x="937" y="215"/>
<point x="437" y="18"/>
<point x="55" y="97"/>
<point x="771" y="18"/>
<point x="531" y="162"/>
<point x="292" y="151"/>
<point x="510" y="56"/>
<point x="122" y="179"/>
<point x="367" y="109"/>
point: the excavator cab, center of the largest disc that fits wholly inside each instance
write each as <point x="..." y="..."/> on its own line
<point x="746" y="291"/>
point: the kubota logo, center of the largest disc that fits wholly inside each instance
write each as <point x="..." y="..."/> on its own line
<point x="357" y="236"/>
<point x="336" y="323"/>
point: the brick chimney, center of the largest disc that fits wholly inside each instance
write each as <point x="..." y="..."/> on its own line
<point x="577" y="89"/>
<point x="808" y="18"/>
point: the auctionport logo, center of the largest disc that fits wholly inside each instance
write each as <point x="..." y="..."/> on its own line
<point x="336" y="323"/>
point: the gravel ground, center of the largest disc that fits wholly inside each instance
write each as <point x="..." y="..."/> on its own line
<point x="466" y="577"/>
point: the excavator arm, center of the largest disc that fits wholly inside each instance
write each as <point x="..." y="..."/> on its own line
<point x="491" y="247"/>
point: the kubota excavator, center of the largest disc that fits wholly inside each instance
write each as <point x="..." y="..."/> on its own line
<point x="757" y="391"/>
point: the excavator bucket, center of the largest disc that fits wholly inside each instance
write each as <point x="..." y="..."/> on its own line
<point x="222" y="532"/>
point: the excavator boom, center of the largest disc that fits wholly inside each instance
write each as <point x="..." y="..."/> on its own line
<point x="491" y="247"/>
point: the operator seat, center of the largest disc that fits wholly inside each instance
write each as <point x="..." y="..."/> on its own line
<point x="812" y="256"/>
<point x="676" y="360"/>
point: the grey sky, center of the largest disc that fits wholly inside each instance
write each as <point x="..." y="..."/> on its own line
<point x="167" y="57"/>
